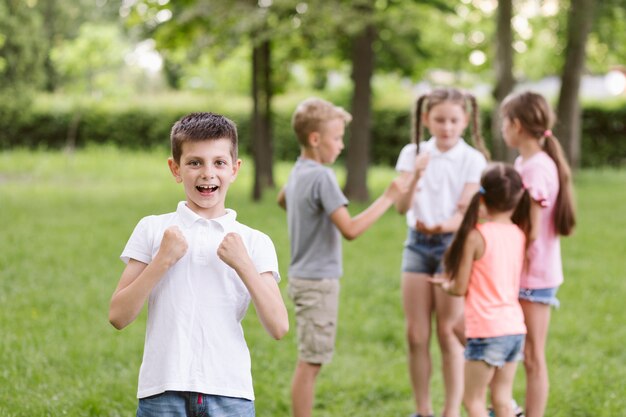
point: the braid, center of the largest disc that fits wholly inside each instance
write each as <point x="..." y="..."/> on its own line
<point x="476" y="136"/>
<point x="416" y="135"/>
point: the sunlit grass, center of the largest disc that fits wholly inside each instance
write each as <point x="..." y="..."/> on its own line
<point x="66" y="217"/>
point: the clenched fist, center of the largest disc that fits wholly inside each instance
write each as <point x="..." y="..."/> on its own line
<point x="173" y="245"/>
<point x="232" y="250"/>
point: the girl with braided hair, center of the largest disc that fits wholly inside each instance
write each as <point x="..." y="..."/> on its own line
<point x="444" y="173"/>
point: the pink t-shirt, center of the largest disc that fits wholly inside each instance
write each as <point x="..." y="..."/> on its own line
<point x="492" y="307"/>
<point x="541" y="177"/>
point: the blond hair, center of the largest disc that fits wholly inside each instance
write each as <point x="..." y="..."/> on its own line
<point x="312" y="114"/>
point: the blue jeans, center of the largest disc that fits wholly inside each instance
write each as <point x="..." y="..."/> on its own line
<point x="193" y="404"/>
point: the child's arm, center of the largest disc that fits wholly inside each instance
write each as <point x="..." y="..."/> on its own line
<point x="263" y="288"/>
<point x="281" y="199"/>
<point x="351" y="228"/>
<point x="473" y="249"/>
<point x="403" y="203"/>
<point x="453" y="223"/>
<point x="138" y="279"/>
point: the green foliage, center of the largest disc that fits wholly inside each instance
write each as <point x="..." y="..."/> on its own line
<point x="21" y="53"/>
<point x="21" y="63"/>
<point x="69" y="216"/>
<point x="145" y="122"/>
<point x="604" y="141"/>
<point x="91" y="61"/>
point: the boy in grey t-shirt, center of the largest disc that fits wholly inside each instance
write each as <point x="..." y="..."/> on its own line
<point x="317" y="217"/>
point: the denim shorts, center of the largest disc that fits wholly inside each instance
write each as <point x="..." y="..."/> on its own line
<point x="193" y="404"/>
<point x="540" y="295"/>
<point x="495" y="351"/>
<point x="423" y="253"/>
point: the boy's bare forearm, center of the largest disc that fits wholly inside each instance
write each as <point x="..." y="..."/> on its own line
<point x="403" y="202"/>
<point x="281" y="199"/>
<point x="351" y="228"/>
<point x="127" y="302"/>
<point x="266" y="298"/>
<point x="263" y="290"/>
<point x="370" y="215"/>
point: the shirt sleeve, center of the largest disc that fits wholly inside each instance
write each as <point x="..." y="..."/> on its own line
<point x="406" y="159"/>
<point x="330" y="195"/>
<point x="139" y="245"/>
<point x="536" y="180"/>
<point x="263" y="255"/>
<point x="476" y="167"/>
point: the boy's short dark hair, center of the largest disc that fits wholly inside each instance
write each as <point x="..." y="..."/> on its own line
<point x="197" y="127"/>
<point x="311" y="115"/>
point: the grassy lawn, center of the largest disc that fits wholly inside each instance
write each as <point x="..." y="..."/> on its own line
<point x="65" y="219"/>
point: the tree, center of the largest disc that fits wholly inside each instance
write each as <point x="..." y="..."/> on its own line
<point x="357" y="158"/>
<point x="221" y="26"/>
<point x="504" y="82"/>
<point x="21" y="62"/>
<point x="262" y="92"/>
<point x="568" y="109"/>
<point x="357" y="27"/>
<point x="61" y="20"/>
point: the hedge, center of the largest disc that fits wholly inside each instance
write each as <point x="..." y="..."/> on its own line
<point x="140" y="127"/>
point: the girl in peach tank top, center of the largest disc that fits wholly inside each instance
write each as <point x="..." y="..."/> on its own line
<point x="484" y="264"/>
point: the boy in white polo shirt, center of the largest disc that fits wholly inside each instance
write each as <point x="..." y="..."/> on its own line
<point x="198" y="268"/>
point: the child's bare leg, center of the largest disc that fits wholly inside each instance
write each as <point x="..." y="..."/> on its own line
<point x="537" y="318"/>
<point x="502" y="390"/>
<point x="417" y="300"/>
<point x="477" y="377"/>
<point x="449" y="311"/>
<point x="303" y="388"/>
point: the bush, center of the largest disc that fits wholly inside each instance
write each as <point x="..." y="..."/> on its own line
<point x="144" y="124"/>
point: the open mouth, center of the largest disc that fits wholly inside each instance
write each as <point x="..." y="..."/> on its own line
<point x="206" y="189"/>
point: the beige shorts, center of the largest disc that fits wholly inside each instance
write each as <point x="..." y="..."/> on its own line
<point x="316" y="304"/>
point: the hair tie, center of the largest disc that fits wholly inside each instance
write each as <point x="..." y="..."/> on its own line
<point x="481" y="190"/>
<point x="547" y="133"/>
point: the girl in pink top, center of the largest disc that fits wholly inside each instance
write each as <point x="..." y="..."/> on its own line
<point x="526" y="122"/>
<point x="484" y="263"/>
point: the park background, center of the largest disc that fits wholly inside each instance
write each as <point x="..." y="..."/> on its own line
<point x="89" y="90"/>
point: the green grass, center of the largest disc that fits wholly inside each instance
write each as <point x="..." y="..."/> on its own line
<point x="65" y="219"/>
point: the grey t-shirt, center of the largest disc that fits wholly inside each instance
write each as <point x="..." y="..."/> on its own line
<point x="312" y="194"/>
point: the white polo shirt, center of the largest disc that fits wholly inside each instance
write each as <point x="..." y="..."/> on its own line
<point x="194" y="339"/>
<point x="443" y="180"/>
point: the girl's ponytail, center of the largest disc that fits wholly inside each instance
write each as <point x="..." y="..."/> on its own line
<point x="452" y="258"/>
<point x="521" y="215"/>
<point x="537" y="117"/>
<point x="477" y="138"/>
<point x="564" y="213"/>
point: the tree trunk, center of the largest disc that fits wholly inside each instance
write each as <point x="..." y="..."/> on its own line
<point x="261" y="119"/>
<point x="357" y="155"/>
<point x="504" y="78"/>
<point x="568" y="129"/>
